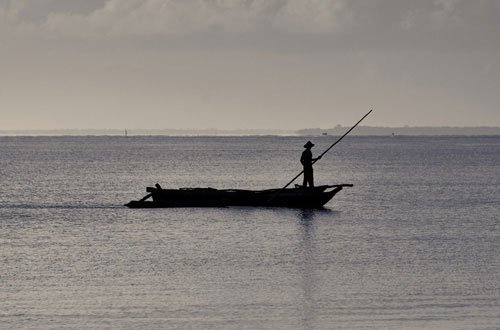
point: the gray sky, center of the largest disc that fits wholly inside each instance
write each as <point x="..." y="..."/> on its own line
<point x="233" y="64"/>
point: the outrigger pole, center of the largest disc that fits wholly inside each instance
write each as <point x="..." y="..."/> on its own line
<point x="324" y="152"/>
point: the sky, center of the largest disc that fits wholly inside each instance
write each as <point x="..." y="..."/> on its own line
<point x="248" y="64"/>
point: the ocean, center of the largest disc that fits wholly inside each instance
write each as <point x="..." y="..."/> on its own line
<point x="414" y="244"/>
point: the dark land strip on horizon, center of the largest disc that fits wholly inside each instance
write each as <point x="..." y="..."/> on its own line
<point x="337" y="130"/>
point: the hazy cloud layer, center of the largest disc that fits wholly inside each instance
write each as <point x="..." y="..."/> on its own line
<point x="383" y="22"/>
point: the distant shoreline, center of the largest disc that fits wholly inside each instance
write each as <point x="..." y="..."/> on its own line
<point x="336" y="131"/>
<point x="405" y="131"/>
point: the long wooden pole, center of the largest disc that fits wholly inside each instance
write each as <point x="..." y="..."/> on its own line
<point x="324" y="152"/>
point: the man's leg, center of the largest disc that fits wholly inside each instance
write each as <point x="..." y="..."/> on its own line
<point x="308" y="178"/>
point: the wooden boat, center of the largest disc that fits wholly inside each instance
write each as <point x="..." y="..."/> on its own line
<point x="298" y="197"/>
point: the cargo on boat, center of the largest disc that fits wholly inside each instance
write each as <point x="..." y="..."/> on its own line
<point x="298" y="197"/>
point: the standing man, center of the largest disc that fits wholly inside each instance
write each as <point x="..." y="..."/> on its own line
<point x="306" y="160"/>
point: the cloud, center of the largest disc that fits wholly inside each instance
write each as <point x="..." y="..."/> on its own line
<point x="175" y="17"/>
<point x="376" y="22"/>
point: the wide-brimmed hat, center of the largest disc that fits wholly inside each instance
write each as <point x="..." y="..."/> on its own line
<point x="309" y="144"/>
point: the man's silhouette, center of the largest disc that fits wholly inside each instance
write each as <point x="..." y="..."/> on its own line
<point x="307" y="162"/>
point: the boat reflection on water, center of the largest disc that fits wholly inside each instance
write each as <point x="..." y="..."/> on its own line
<point x="307" y="226"/>
<point x="307" y="269"/>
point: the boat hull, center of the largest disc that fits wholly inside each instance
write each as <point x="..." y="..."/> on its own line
<point x="300" y="197"/>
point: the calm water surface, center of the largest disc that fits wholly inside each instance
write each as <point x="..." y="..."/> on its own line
<point x="414" y="244"/>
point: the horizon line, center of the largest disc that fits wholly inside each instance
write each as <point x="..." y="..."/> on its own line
<point x="337" y="130"/>
<point x="240" y="129"/>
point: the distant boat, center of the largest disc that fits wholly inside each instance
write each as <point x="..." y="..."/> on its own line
<point x="324" y="133"/>
<point x="297" y="197"/>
